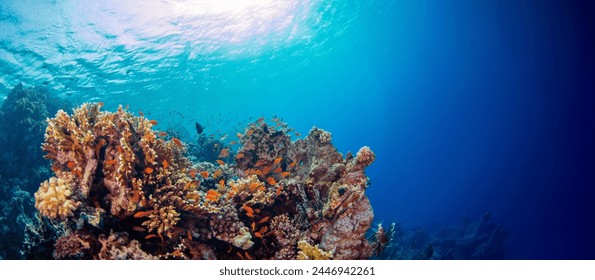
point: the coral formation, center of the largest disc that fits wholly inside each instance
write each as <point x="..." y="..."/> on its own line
<point x="123" y="191"/>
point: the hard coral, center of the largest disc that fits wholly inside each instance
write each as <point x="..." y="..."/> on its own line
<point x="55" y="199"/>
<point x="140" y="190"/>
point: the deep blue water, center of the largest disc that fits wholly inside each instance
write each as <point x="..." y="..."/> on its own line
<point x="470" y="106"/>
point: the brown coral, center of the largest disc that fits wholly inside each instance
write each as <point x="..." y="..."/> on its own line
<point x="365" y="156"/>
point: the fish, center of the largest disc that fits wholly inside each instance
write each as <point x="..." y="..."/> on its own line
<point x="177" y="141"/>
<point x="189" y="235"/>
<point x="100" y="104"/>
<point x="271" y="181"/>
<point x="297" y="134"/>
<point x="240" y="256"/>
<point x="233" y="142"/>
<point x="142" y="214"/>
<point x="141" y="113"/>
<point x="162" y="134"/>
<point x="192" y="172"/>
<point x="258" y="172"/>
<point x="263" y="220"/>
<point x="222" y="182"/>
<point x="224" y="153"/>
<point x="165" y="164"/>
<point x="293" y="164"/>
<point x="191" y="184"/>
<point x="140" y="229"/>
<point x="152" y="235"/>
<point x="248" y="256"/>
<point x="204" y="174"/>
<point x="261" y="188"/>
<point x="70" y="164"/>
<point x="285" y="174"/>
<point x="257" y="234"/>
<point x="253" y="226"/>
<point x="259" y="163"/>
<point x="278" y="190"/>
<point x="249" y="133"/>
<point x="153" y="122"/>
<point x="55" y="168"/>
<point x="220" y="162"/>
<point x="260" y="120"/>
<point x="253" y="186"/>
<point x="263" y="230"/>
<point x="250" y="214"/>
<point x="239" y="156"/>
<point x="247" y="208"/>
<point x="223" y="137"/>
<point x="199" y="128"/>
<point x="148" y="170"/>
<point x="277" y="160"/>
<point x="239" y="135"/>
<point x="278" y="170"/>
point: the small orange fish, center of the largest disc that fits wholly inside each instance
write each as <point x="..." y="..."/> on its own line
<point x="151" y="236"/>
<point x="263" y="220"/>
<point x="70" y="165"/>
<point x="249" y="133"/>
<point x="259" y="163"/>
<point x="204" y="174"/>
<point x="153" y="122"/>
<point x="278" y="170"/>
<point x="191" y="184"/>
<point x="250" y="214"/>
<point x="285" y="174"/>
<point x="142" y="214"/>
<point x="261" y="188"/>
<point x="263" y="230"/>
<point x="271" y="181"/>
<point x="239" y="135"/>
<point x="293" y="164"/>
<point x="162" y="134"/>
<point x="212" y="193"/>
<point x="233" y="142"/>
<point x="224" y="153"/>
<point x="277" y="160"/>
<point x="239" y="156"/>
<point x="177" y="141"/>
<point x="247" y="208"/>
<point x="260" y="120"/>
<point x="192" y="172"/>
<point x="55" y="168"/>
<point x="165" y="164"/>
<point x="256" y="210"/>
<point x="110" y="162"/>
<point x="148" y="170"/>
<point x="258" y="172"/>
<point x="278" y="191"/>
<point x="222" y="183"/>
<point x="253" y="186"/>
<point x="189" y="235"/>
<point x="141" y="113"/>
<point x="140" y="229"/>
<point x="220" y="162"/>
<point x="253" y="226"/>
<point x="257" y="234"/>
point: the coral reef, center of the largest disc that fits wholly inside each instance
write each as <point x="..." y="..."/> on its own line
<point x="123" y="191"/>
<point x="482" y="240"/>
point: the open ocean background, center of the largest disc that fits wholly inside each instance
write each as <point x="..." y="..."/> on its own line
<point x="471" y="107"/>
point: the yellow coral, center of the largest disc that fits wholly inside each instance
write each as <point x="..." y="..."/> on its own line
<point x="54" y="197"/>
<point x="309" y="252"/>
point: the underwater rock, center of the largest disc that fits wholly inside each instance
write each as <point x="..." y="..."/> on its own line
<point x="482" y="240"/>
<point x="122" y="191"/>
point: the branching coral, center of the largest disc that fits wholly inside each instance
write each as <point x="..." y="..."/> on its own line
<point x="141" y="197"/>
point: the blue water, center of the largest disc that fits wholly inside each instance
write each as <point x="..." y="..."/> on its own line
<point x="470" y="106"/>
